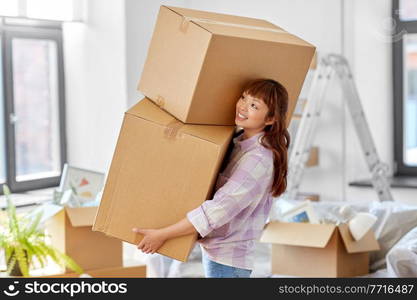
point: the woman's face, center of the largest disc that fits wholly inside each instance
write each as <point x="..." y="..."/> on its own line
<point x="250" y="114"/>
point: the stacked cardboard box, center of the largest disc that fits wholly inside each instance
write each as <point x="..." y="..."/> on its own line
<point x="171" y="146"/>
<point x="161" y="169"/>
<point x="198" y="62"/>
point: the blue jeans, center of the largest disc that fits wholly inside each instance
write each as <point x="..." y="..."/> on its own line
<point x="213" y="269"/>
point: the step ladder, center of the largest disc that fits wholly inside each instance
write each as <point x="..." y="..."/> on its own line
<point x="330" y="66"/>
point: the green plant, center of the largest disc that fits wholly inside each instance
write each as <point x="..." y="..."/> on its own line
<point x="24" y="243"/>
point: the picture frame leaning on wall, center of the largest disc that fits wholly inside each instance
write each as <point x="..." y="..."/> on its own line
<point x="302" y="213"/>
<point x="79" y="186"/>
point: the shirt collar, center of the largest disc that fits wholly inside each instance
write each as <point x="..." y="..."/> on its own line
<point x="248" y="143"/>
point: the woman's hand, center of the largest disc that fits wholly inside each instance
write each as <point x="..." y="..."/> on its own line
<point x="152" y="240"/>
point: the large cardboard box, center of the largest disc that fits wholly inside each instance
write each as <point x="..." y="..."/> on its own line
<point x="161" y="169"/>
<point x="317" y="250"/>
<point x="120" y="272"/>
<point x="198" y="63"/>
<point x="70" y="231"/>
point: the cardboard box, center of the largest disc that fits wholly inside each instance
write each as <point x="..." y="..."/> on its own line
<point x="198" y="63"/>
<point x="314" y="62"/>
<point x="161" y="169"/>
<point x="120" y="272"/>
<point x="317" y="250"/>
<point x="70" y="231"/>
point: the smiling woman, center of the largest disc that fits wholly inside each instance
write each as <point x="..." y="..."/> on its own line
<point x="250" y="114"/>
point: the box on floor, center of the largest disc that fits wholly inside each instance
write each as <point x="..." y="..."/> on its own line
<point x="198" y="63"/>
<point x="161" y="169"/>
<point x="70" y="231"/>
<point x="317" y="250"/>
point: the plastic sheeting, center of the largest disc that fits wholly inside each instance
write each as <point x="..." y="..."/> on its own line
<point x="402" y="258"/>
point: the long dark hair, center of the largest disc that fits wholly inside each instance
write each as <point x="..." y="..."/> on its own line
<point x="276" y="137"/>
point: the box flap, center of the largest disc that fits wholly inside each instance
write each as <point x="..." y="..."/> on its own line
<point x="81" y="216"/>
<point x="221" y="18"/>
<point x="48" y="210"/>
<point x="254" y="33"/>
<point x="365" y="244"/>
<point x="298" y="234"/>
<point x="147" y="110"/>
<point x="237" y="26"/>
<point x="214" y="134"/>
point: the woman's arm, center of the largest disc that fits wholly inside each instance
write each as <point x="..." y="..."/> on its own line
<point x="154" y="238"/>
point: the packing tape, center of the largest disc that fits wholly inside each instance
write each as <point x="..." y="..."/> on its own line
<point x="160" y="101"/>
<point x="171" y="130"/>
<point x="186" y="21"/>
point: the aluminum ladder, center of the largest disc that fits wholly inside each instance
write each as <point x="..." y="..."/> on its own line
<point x="328" y="67"/>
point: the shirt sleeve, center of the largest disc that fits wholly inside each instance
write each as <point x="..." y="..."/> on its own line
<point x="245" y="186"/>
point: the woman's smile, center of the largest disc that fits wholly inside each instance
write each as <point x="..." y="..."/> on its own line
<point x="240" y="116"/>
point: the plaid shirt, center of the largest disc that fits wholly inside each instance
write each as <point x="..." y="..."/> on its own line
<point x="233" y="220"/>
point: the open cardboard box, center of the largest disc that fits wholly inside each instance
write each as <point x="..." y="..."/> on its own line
<point x="198" y="63"/>
<point x="70" y="231"/>
<point x="161" y="169"/>
<point x="317" y="250"/>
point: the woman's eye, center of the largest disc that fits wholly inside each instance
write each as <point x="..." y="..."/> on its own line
<point x="254" y="106"/>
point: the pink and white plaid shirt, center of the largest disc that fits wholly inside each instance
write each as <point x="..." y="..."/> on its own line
<point x="233" y="220"/>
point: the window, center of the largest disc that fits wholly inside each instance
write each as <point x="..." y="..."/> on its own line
<point x="32" y="110"/>
<point x="2" y="123"/>
<point x="405" y="87"/>
<point x="9" y="8"/>
<point x="408" y="10"/>
<point x="58" y="10"/>
<point x="410" y="99"/>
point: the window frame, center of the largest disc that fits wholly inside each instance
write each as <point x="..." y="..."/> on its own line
<point x="15" y="28"/>
<point x="402" y="27"/>
<point x="78" y="15"/>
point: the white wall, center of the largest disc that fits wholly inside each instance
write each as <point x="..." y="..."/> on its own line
<point x="360" y="31"/>
<point x="140" y="20"/>
<point x="95" y="83"/>
<point x="105" y="57"/>
<point x="371" y="55"/>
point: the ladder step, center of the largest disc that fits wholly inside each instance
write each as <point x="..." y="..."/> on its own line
<point x="296" y="117"/>
<point x="313" y="159"/>
<point x="308" y="196"/>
